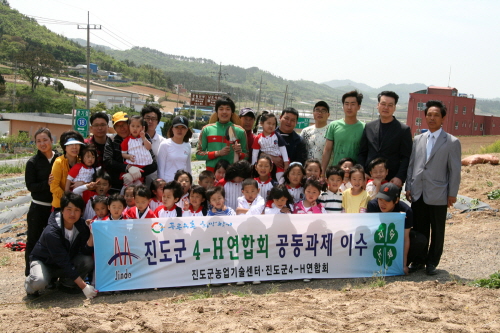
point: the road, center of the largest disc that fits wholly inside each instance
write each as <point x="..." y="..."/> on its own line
<point x="15" y="161"/>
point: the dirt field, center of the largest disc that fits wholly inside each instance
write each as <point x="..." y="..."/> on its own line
<point x="472" y="144"/>
<point x="414" y="303"/>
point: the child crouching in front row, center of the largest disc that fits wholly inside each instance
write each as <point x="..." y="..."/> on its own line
<point x="355" y="199"/>
<point x="279" y="201"/>
<point x="156" y="189"/>
<point x="100" y="206"/>
<point x="332" y="197"/>
<point x="378" y="171"/>
<point x="312" y="190"/>
<point x="142" y="196"/>
<point x="250" y="203"/>
<point x="116" y="206"/>
<point x="172" y="193"/>
<point x="197" y="203"/>
<point x="216" y="198"/>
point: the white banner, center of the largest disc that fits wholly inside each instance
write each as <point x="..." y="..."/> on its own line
<point x="168" y="252"/>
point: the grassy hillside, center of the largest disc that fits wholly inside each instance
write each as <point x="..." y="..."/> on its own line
<point x="18" y="31"/>
<point x="235" y="79"/>
<point x="162" y="70"/>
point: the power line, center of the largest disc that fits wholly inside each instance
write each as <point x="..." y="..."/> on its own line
<point x="112" y="34"/>
<point x="106" y="41"/>
<point x="52" y="21"/>
<point x="115" y="29"/>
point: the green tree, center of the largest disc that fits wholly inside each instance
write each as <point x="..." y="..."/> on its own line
<point x="99" y="107"/>
<point x="35" y="63"/>
<point x="3" y="88"/>
<point x="58" y="86"/>
<point x="150" y="99"/>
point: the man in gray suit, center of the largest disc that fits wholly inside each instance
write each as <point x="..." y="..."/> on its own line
<point x="433" y="181"/>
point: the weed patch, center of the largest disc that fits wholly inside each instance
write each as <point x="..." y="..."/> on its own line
<point x="492" y="282"/>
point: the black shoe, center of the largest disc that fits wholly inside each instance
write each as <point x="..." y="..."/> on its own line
<point x="430" y="270"/>
<point x="33" y="296"/>
<point x="70" y="290"/>
<point x="415" y="267"/>
<point x="53" y="284"/>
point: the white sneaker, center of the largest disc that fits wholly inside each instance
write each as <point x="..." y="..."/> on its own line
<point x="240" y="283"/>
<point x="307" y="280"/>
<point x="256" y="282"/>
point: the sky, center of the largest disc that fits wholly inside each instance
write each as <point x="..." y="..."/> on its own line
<point x="372" y="42"/>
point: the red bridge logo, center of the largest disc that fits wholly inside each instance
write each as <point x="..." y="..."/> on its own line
<point x="122" y="256"/>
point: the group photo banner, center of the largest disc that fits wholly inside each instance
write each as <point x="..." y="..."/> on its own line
<point x="173" y="252"/>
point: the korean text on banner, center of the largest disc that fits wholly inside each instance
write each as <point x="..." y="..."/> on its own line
<point x="168" y="252"/>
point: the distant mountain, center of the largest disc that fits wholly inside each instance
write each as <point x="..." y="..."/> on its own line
<point x="348" y="83"/>
<point x="403" y="89"/>
<point x="236" y="80"/>
<point x="83" y="43"/>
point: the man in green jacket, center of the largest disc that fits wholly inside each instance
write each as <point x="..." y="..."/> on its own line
<point x="213" y="144"/>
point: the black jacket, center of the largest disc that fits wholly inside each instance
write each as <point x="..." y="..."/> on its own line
<point x="53" y="249"/>
<point x="395" y="147"/>
<point x="36" y="177"/>
<point x="115" y="165"/>
<point x="295" y="147"/>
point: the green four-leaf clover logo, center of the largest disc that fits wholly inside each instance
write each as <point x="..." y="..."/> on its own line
<point x="385" y="254"/>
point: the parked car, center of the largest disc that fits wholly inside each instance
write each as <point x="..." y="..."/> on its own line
<point x="194" y="139"/>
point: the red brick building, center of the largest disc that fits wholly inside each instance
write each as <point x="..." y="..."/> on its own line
<point x="460" y="117"/>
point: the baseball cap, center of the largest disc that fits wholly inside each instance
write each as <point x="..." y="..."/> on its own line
<point x="388" y="192"/>
<point x="322" y="103"/>
<point x="180" y="120"/>
<point x="73" y="141"/>
<point x="119" y="116"/>
<point x="247" y="112"/>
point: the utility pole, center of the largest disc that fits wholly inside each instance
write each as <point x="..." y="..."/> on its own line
<point x="73" y="112"/>
<point x="95" y="26"/>
<point x="284" y="100"/>
<point x="219" y="77"/>
<point x="260" y="91"/>
<point x="178" y="88"/>
<point x="14" y="94"/>
<point x="336" y="107"/>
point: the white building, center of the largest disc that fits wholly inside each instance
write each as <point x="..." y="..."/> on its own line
<point x="114" y="98"/>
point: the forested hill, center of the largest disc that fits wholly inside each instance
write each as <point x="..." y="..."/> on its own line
<point x="18" y="32"/>
<point x="236" y="80"/>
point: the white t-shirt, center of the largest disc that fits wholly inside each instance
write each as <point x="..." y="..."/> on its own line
<point x="254" y="208"/>
<point x="315" y="141"/>
<point x="156" y="142"/>
<point x="70" y="235"/>
<point x="172" y="157"/>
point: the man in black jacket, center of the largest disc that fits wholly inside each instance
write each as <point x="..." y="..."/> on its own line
<point x="113" y="160"/>
<point x="295" y="145"/>
<point x="63" y="251"/>
<point x="388" y="138"/>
